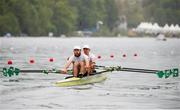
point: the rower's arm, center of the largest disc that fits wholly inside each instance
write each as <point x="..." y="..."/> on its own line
<point x="86" y="61"/>
<point x="68" y="63"/>
<point x="93" y="58"/>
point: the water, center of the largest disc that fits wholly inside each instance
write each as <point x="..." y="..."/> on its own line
<point x="122" y="90"/>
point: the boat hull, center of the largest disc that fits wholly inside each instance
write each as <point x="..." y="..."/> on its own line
<point x="81" y="81"/>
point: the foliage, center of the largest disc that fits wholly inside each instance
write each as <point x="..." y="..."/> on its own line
<point x="39" y="17"/>
<point x="162" y="11"/>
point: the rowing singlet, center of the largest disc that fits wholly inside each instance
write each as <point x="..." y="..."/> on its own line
<point x="91" y="57"/>
<point x="78" y="59"/>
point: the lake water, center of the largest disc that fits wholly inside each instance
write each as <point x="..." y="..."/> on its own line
<point x="121" y="90"/>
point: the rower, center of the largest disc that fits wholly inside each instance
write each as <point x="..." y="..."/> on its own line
<point x="80" y="63"/>
<point x="91" y="57"/>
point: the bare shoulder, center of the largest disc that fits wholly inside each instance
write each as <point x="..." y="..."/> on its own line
<point x="71" y="58"/>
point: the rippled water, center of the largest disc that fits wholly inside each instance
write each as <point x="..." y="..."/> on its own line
<point x="121" y="90"/>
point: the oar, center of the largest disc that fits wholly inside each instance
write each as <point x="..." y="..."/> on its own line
<point x="131" y="69"/>
<point x="15" y="71"/>
<point x="166" y="73"/>
<point x="139" y="71"/>
<point x="160" y="73"/>
<point x="43" y="71"/>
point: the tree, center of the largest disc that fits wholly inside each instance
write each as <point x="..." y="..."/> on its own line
<point x="162" y="11"/>
<point x="64" y="17"/>
<point x="9" y="24"/>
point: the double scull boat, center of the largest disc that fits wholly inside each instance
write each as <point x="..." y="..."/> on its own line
<point x="75" y="81"/>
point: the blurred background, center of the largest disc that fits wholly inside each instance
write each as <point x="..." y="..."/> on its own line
<point x="65" y="18"/>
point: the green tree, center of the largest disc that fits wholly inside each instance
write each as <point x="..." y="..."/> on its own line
<point x="111" y="13"/>
<point x="38" y="17"/>
<point x="9" y="24"/>
<point x="64" y="17"/>
<point x="132" y="10"/>
<point x="162" y="11"/>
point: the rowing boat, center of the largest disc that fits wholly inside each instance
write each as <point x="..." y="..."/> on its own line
<point x="75" y="81"/>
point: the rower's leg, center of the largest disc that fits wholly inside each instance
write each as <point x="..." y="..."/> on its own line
<point x="76" y="69"/>
<point x="93" y="67"/>
<point x="82" y="67"/>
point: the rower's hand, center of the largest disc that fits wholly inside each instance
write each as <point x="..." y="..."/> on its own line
<point x="93" y="65"/>
<point x="87" y="68"/>
<point x="64" y="71"/>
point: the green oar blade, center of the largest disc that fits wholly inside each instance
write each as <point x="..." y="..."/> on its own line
<point x="5" y="72"/>
<point x="160" y="74"/>
<point x="168" y="73"/>
<point x="10" y="71"/>
<point x="175" y="72"/>
<point x="16" y="71"/>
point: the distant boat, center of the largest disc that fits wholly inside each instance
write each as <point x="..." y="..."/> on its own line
<point x="87" y="33"/>
<point x="161" y="37"/>
<point x="8" y="35"/>
<point x="63" y="36"/>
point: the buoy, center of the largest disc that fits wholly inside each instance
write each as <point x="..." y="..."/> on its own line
<point x="99" y="57"/>
<point x="10" y="62"/>
<point x="124" y="55"/>
<point x="51" y="60"/>
<point x="135" y="54"/>
<point x="31" y="61"/>
<point x="112" y="56"/>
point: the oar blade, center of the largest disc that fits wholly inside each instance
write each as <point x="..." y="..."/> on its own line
<point x="160" y="74"/>
<point x="175" y="72"/>
<point x="167" y="73"/>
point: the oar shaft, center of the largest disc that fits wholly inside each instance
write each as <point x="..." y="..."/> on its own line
<point x="31" y="71"/>
<point x="132" y="69"/>
<point x="139" y="71"/>
<point x="42" y="71"/>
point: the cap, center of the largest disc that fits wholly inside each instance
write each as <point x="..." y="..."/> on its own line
<point x="77" y="47"/>
<point x="86" y="46"/>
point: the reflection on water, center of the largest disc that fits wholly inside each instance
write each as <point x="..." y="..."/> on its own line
<point x="120" y="91"/>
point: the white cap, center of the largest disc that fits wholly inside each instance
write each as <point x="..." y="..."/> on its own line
<point x="86" y="46"/>
<point x="77" y="47"/>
